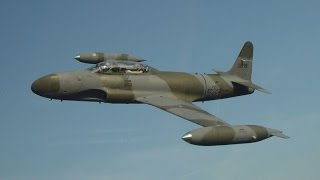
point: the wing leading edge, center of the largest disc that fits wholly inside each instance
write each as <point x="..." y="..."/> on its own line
<point x="183" y="109"/>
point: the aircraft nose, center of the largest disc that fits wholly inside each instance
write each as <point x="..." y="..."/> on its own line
<point x="46" y="85"/>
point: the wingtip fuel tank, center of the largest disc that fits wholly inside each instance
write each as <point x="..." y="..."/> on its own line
<point x="96" y="57"/>
<point x="224" y="135"/>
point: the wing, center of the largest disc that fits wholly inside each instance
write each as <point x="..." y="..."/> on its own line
<point x="184" y="110"/>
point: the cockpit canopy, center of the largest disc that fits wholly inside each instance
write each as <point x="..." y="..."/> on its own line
<point x="119" y="66"/>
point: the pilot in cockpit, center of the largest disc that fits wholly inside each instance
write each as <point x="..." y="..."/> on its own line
<point x="118" y="67"/>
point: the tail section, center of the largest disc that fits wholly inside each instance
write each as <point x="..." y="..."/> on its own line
<point x="241" y="70"/>
<point x="251" y="85"/>
<point x="243" y="65"/>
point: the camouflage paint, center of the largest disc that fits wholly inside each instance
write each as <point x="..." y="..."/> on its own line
<point x="173" y="92"/>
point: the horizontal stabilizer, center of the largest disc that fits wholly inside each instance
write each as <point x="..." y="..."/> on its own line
<point x="254" y="86"/>
<point x="218" y="71"/>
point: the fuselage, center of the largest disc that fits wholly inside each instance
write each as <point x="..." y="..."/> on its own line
<point x="122" y="78"/>
<point x="127" y="87"/>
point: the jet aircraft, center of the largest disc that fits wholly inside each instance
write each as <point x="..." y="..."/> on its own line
<point x="123" y="78"/>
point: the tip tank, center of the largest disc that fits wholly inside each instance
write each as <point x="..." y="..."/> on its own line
<point x="96" y="57"/>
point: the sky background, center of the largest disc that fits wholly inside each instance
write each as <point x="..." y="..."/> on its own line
<point x="49" y="140"/>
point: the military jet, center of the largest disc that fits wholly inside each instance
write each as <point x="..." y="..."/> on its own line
<point x="123" y="78"/>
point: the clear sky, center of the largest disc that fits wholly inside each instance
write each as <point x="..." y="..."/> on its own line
<point x="49" y="140"/>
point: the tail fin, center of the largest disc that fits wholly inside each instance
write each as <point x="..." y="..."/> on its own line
<point x="243" y="65"/>
<point x="242" y="69"/>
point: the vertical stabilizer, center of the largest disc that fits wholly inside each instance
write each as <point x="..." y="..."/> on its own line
<point x="242" y="69"/>
<point x="243" y="65"/>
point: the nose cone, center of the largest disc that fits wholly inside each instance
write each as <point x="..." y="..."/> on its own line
<point x="77" y="57"/>
<point x="46" y="85"/>
<point x="187" y="137"/>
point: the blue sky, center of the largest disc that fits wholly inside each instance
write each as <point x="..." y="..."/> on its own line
<point x="42" y="139"/>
